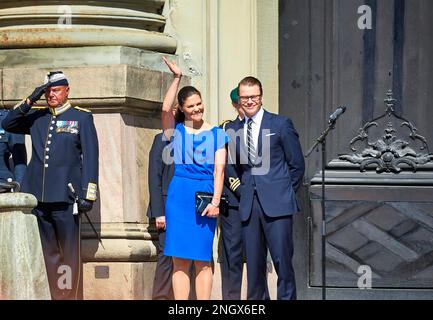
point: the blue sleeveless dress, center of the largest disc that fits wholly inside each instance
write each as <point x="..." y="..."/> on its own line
<point x="188" y="235"/>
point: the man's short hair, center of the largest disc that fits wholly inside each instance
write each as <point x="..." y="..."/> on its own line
<point x="251" y="81"/>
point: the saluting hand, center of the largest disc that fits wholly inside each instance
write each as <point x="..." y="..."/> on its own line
<point x="37" y="93"/>
<point x="173" y="67"/>
<point x="211" y="211"/>
<point x="160" y="222"/>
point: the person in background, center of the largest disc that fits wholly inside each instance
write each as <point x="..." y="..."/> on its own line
<point x="231" y="248"/>
<point x="13" y="154"/>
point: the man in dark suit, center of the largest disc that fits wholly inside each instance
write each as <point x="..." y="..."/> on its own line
<point x="161" y="171"/>
<point x="160" y="175"/>
<point x="64" y="150"/>
<point x="231" y="253"/>
<point x="272" y="167"/>
<point x="12" y="147"/>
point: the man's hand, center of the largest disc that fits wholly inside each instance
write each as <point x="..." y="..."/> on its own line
<point x="37" y="93"/>
<point x="84" y="205"/>
<point x="160" y="222"/>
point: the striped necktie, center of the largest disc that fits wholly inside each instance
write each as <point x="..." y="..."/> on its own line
<point x="250" y="142"/>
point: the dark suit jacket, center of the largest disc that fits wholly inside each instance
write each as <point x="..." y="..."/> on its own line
<point x="160" y="175"/>
<point x="279" y="174"/>
<point x="12" y="144"/>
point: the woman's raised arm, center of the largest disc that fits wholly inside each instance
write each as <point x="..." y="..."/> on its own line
<point x="168" y="122"/>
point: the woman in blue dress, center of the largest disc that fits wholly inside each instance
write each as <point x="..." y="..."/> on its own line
<point x="199" y="158"/>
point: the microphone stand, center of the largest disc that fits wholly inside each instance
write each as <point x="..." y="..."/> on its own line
<point x="322" y="140"/>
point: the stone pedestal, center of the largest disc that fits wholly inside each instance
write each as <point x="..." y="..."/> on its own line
<point x="118" y="281"/>
<point x="22" y="269"/>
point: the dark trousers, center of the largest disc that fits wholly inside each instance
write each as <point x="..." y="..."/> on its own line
<point x="231" y="255"/>
<point x="59" y="232"/>
<point x="162" y="282"/>
<point x="261" y="232"/>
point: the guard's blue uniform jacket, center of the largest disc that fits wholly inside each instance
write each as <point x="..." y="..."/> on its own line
<point x="231" y="175"/>
<point x="64" y="150"/>
<point x="231" y="253"/>
<point x="11" y="145"/>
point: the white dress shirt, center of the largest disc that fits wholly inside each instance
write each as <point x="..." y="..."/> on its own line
<point x="255" y="127"/>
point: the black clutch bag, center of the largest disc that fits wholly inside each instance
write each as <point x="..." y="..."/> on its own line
<point x="202" y="199"/>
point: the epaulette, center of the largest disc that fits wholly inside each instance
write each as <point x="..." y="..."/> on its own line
<point x="224" y="123"/>
<point x="82" y="109"/>
<point x="39" y="107"/>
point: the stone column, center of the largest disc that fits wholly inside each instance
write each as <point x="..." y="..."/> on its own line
<point x="23" y="24"/>
<point x="22" y="269"/>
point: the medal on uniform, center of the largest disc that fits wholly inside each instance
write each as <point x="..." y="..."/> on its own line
<point x="67" y="126"/>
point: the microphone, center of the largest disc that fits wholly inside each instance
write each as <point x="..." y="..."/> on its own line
<point x="334" y="116"/>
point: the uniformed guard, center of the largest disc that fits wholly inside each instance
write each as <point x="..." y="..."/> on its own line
<point x="12" y="147"/>
<point x="231" y="253"/>
<point x="64" y="150"/>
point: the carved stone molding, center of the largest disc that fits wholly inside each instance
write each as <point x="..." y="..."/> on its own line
<point x="396" y="149"/>
<point x="121" y="242"/>
<point x="137" y="24"/>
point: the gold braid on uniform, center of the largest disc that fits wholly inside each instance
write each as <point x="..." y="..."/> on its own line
<point x="82" y="109"/>
<point x="91" y="191"/>
<point x="38" y="107"/>
<point x="234" y="183"/>
<point x="224" y="123"/>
